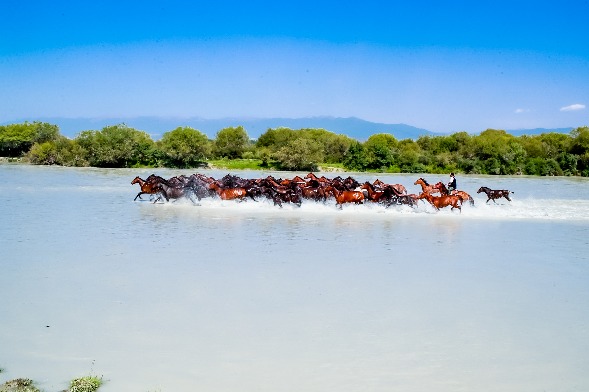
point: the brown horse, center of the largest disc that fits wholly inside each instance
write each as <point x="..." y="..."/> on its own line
<point x="425" y="187"/>
<point x="321" y="180"/>
<point x="147" y="187"/>
<point x="342" y="197"/>
<point x="373" y="194"/>
<point x="493" y="194"/>
<point x="399" y="187"/>
<point x="463" y="195"/>
<point x="229" y="193"/>
<point x="442" y="201"/>
<point x="312" y="193"/>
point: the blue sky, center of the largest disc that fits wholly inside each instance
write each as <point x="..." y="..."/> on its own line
<point x="443" y="66"/>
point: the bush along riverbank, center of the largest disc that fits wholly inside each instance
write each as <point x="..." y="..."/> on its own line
<point x="490" y="152"/>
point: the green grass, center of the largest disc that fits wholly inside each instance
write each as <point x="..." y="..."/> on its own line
<point x="237" y="164"/>
<point x="19" y="385"/>
<point x="85" y="384"/>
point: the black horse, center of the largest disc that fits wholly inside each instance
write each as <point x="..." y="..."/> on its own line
<point x="493" y="194"/>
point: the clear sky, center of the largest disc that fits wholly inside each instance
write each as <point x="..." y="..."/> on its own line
<point x="444" y="66"/>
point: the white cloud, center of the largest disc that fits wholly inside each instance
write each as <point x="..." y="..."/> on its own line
<point x="519" y="111"/>
<point x="570" y="108"/>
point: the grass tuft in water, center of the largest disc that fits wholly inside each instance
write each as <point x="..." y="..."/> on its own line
<point x="19" y="385"/>
<point x="85" y="384"/>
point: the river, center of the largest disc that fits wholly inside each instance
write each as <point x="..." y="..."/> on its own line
<point x="227" y="296"/>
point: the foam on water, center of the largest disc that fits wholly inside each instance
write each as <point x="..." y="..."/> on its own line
<point x="524" y="209"/>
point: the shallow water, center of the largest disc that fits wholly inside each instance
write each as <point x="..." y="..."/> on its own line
<point x="231" y="296"/>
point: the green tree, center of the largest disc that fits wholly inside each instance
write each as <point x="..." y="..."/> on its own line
<point x="380" y="151"/>
<point x="17" y="139"/>
<point x="355" y="158"/>
<point x="277" y="138"/>
<point x="299" y="154"/>
<point x="185" y="147"/>
<point x="43" y="154"/>
<point x="580" y="141"/>
<point x="116" y="146"/>
<point x="334" y="146"/>
<point x="499" y="152"/>
<point x="231" y="142"/>
<point x="62" y="151"/>
<point x="410" y="157"/>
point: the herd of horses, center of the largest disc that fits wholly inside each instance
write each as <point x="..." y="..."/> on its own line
<point x="297" y="189"/>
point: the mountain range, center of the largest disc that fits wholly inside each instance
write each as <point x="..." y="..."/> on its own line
<point x="350" y="126"/>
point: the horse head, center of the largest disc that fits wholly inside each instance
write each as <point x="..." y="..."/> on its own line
<point x="440" y="185"/>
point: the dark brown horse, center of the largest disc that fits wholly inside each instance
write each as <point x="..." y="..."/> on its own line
<point x="493" y="194"/>
<point x="443" y="201"/>
<point x="372" y="193"/>
<point x="168" y="192"/>
<point x="313" y="193"/>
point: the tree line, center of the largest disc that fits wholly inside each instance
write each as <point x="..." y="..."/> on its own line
<point x="490" y="152"/>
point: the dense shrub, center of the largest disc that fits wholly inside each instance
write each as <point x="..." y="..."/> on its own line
<point x="491" y="152"/>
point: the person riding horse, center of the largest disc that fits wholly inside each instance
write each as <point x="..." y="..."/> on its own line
<point x="452" y="184"/>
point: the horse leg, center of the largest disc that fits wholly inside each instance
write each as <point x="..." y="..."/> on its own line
<point x="138" y="196"/>
<point x="191" y="197"/>
<point x="455" y="205"/>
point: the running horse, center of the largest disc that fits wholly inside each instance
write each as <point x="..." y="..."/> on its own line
<point x="342" y="197"/>
<point x="399" y="187"/>
<point x="148" y="187"/>
<point x="463" y="195"/>
<point x="493" y="194"/>
<point x="373" y="194"/>
<point x="237" y="193"/>
<point x="442" y="201"/>
<point x="425" y="187"/>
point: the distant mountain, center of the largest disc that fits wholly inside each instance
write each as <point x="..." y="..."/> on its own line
<point x="157" y="126"/>
<point x="538" y="131"/>
<point x="350" y="126"/>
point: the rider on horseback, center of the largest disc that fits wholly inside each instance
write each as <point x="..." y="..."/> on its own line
<point x="452" y="183"/>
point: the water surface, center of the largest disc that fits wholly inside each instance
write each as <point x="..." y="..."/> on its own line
<point x="229" y="296"/>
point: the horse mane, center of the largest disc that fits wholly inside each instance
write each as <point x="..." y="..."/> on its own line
<point x="424" y="181"/>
